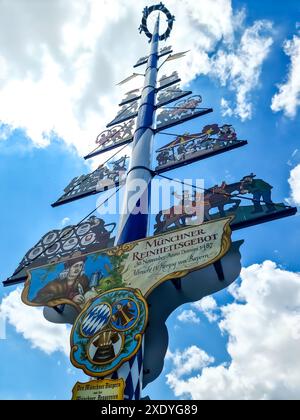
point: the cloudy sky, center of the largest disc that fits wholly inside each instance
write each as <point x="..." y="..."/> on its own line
<point x="60" y="61"/>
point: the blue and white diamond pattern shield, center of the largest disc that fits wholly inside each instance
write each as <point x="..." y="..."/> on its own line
<point x="97" y="319"/>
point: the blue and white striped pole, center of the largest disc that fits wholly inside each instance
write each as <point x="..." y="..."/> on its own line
<point x="134" y="220"/>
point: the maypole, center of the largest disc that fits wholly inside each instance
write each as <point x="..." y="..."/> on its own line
<point x="79" y="277"/>
<point x="134" y="221"/>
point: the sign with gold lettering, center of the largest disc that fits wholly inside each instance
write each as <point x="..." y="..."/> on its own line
<point x="99" y="390"/>
<point x="142" y="265"/>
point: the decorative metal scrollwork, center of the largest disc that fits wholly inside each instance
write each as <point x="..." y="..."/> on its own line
<point x="103" y="178"/>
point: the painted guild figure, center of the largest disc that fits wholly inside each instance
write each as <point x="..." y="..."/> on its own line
<point x="73" y="284"/>
<point x="261" y="191"/>
<point x="211" y="137"/>
<point x="115" y="135"/>
<point x="106" y="174"/>
<point x="227" y="132"/>
<point x="181" y="151"/>
<point x="163" y="157"/>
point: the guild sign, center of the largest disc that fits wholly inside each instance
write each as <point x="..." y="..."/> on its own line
<point x="90" y="235"/>
<point x="133" y="265"/>
<point x="127" y="112"/>
<point x="99" y="390"/>
<point x="114" y="137"/>
<point x="182" y="111"/>
<point x="109" y="331"/>
<point x="248" y="202"/>
<point x="167" y="81"/>
<point x="131" y="96"/>
<point x="188" y="147"/>
<point x="170" y="95"/>
<point x="102" y="179"/>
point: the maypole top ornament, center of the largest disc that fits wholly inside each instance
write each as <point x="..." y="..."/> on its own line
<point x="146" y="13"/>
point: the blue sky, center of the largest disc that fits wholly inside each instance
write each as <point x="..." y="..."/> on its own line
<point x="34" y="171"/>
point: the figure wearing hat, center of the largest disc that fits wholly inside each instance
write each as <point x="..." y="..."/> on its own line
<point x="261" y="191"/>
<point x="73" y="285"/>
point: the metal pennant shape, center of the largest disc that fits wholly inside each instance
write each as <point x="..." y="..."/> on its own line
<point x="102" y="179"/>
<point x="128" y="79"/>
<point x="177" y="56"/>
<point x="90" y="235"/>
<point x="188" y="148"/>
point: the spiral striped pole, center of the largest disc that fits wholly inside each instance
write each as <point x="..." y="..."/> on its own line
<point x="134" y="220"/>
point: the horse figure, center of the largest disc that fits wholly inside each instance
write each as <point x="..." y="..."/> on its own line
<point x="219" y="197"/>
<point x="216" y="197"/>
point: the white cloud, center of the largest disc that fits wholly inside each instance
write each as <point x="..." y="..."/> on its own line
<point x="263" y="326"/>
<point x="240" y="67"/>
<point x="2" y="326"/>
<point x="188" y="316"/>
<point x="65" y="221"/>
<point x="288" y="98"/>
<point x="190" y="360"/>
<point x="208" y="306"/>
<point x="31" y="323"/>
<point x="59" y="77"/>
<point x="294" y="182"/>
<point x="71" y="371"/>
<point x="227" y="111"/>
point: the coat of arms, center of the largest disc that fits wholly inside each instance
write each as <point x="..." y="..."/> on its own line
<point x="108" y="332"/>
